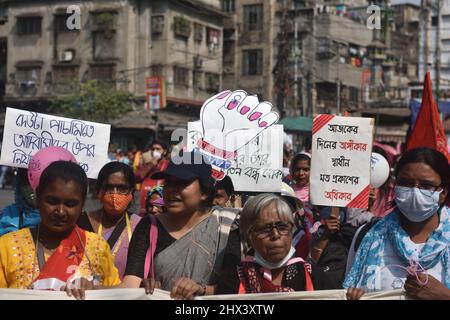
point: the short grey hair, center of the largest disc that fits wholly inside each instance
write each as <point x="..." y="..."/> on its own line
<point x="255" y="205"/>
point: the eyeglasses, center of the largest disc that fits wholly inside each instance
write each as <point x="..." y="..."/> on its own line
<point x="423" y="186"/>
<point x="265" y="231"/>
<point x="120" y="189"/>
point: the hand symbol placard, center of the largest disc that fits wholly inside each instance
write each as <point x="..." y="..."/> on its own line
<point x="230" y="120"/>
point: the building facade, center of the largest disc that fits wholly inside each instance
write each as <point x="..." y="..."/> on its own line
<point x="121" y="43"/>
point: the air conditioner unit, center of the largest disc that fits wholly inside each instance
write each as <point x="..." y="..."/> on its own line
<point x="66" y="56"/>
<point x="228" y="69"/>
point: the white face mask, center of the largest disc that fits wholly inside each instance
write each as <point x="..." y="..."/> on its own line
<point x="270" y="265"/>
<point x="156" y="154"/>
<point x="415" y="204"/>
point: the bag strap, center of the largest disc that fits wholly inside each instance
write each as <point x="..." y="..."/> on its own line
<point x="149" y="261"/>
<point x="117" y="232"/>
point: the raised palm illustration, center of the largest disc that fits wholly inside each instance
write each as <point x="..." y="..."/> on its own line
<point x="230" y="120"/>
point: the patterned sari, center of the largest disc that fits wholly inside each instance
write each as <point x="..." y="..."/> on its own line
<point x="80" y="255"/>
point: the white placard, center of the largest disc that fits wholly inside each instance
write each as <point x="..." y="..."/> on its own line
<point x="26" y="132"/>
<point x="340" y="164"/>
<point x="258" y="165"/>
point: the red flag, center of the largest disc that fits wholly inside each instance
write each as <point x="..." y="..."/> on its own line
<point x="428" y="130"/>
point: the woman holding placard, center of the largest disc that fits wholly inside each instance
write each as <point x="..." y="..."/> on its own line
<point x="183" y="248"/>
<point x="409" y="248"/>
<point x="57" y="255"/>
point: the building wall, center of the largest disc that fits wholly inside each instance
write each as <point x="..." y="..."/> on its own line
<point x="46" y="48"/>
<point x="170" y="50"/>
<point x="133" y="48"/>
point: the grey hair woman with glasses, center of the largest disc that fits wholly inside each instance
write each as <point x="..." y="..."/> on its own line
<point x="266" y="228"/>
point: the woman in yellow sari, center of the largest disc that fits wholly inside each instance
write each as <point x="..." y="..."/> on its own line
<point x="57" y="254"/>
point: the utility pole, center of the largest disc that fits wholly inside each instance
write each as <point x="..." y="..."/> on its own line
<point x="296" y="64"/>
<point x="438" y="48"/>
<point x="425" y="11"/>
<point x="338" y="82"/>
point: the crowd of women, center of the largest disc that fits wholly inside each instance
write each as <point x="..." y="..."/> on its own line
<point x="195" y="236"/>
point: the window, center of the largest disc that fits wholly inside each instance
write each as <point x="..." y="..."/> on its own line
<point x="3" y="12"/>
<point x="212" y="82"/>
<point x="103" y="72"/>
<point x="253" y="17"/>
<point x="29" y="25"/>
<point x="61" y="23"/>
<point x="181" y="27"/>
<point x="213" y="36"/>
<point x="197" y="77"/>
<point x="434" y="21"/>
<point x="29" y="75"/>
<point x="63" y="77"/>
<point x="157" y="24"/>
<point x="228" y="5"/>
<point x="353" y="94"/>
<point x="65" y="73"/>
<point x="180" y="76"/>
<point x="157" y="70"/>
<point x="198" y="32"/>
<point x="252" y="62"/>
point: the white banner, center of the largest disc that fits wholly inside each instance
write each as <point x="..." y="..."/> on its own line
<point x="258" y="166"/>
<point x="310" y="295"/>
<point x="340" y="164"/>
<point x="139" y="294"/>
<point x="26" y="132"/>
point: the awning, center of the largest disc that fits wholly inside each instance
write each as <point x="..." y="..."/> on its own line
<point x="143" y="119"/>
<point x="296" y="123"/>
<point x="386" y="135"/>
<point x="189" y="102"/>
<point x="393" y="112"/>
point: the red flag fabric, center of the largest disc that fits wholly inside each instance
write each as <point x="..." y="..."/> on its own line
<point x="428" y="130"/>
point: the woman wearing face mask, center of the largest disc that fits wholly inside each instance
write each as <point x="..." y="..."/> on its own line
<point x="153" y="161"/>
<point x="409" y="248"/>
<point x="113" y="221"/>
<point x="186" y="244"/>
<point x="266" y="226"/>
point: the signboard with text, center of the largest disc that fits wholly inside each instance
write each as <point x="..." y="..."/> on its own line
<point x="340" y="164"/>
<point x="258" y="165"/>
<point x="26" y="132"/>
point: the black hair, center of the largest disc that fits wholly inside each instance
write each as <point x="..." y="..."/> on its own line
<point x="113" y="167"/>
<point x="436" y="160"/>
<point x="381" y="151"/>
<point x="225" y="184"/>
<point x="299" y="157"/>
<point x="22" y="176"/>
<point x="207" y="187"/>
<point x="66" y="171"/>
<point x="162" y="144"/>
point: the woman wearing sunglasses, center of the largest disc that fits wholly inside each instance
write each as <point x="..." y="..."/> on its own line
<point x="266" y="227"/>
